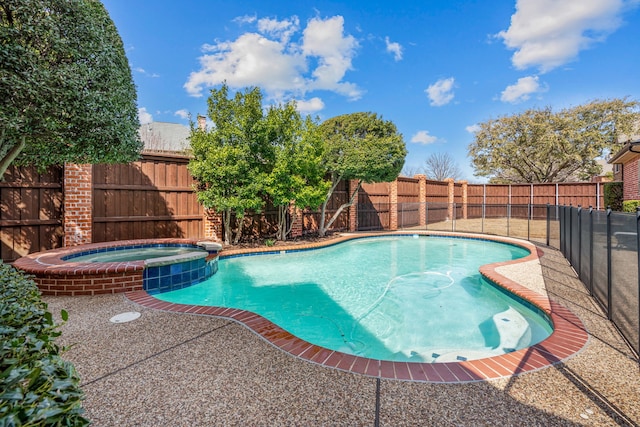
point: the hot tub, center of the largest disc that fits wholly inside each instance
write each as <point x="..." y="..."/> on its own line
<point x="154" y="265"/>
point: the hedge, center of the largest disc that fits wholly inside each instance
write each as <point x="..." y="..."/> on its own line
<point x="37" y="387"/>
<point x="630" y="205"/>
<point x="613" y="195"/>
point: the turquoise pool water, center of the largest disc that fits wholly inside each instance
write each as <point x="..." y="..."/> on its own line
<point x="400" y="298"/>
<point x="124" y="254"/>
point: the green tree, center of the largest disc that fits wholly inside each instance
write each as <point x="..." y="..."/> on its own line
<point x="545" y="146"/>
<point x="231" y="160"/>
<point x="65" y="84"/>
<point x="359" y="146"/>
<point x="297" y="174"/>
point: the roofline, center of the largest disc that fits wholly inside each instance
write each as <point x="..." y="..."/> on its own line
<point x="626" y="149"/>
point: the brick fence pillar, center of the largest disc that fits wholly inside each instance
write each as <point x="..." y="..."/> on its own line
<point x="393" y="205"/>
<point x="78" y="204"/>
<point x="465" y="198"/>
<point x="451" y="193"/>
<point x="422" y="198"/>
<point x="353" y="209"/>
<point x="212" y="225"/>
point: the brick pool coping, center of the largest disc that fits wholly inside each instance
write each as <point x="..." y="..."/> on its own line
<point x="569" y="334"/>
<point x="55" y="276"/>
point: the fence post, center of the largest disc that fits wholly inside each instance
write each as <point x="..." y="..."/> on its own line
<point x="548" y="223"/>
<point x="609" y="285"/>
<point x="591" y="250"/>
<point x="638" y="252"/>
<point x="529" y="207"/>
<point x="579" y="254"/>
<point x="570" y="232"/>
<point x="453" y="218"/>
<point x="509" y="212"/>
<point x="426" y="215"/>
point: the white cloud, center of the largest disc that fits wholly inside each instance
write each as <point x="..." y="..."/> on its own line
<point x="522" y="90"/>
<point x="472" y="128"/>
<point x="144" y="116"/>
<point x="183" y="114"/>
<point x="441" y="92"/>
<point x="423" y="137"/>
<point x="395" y="48"/>
<point x="144" y="72"/>
<point x="282" y="30"/>
<point x="282" y="68"/>
<point x="309" y="106"/>
<point x="549" y="33"/>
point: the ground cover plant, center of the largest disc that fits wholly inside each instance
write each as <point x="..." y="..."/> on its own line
<point x="37" y="387"/>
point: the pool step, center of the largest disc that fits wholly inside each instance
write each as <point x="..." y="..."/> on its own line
<point x="514" y="333"/>
<point x="513" y="328"/>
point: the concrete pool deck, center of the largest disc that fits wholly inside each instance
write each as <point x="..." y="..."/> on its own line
<point x="179" y="369"/>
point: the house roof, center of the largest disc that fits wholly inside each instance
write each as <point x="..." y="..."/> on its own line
<point x="626" y="154"/>
<point x="163" y="136"/>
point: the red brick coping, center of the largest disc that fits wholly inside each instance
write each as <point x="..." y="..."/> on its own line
<point x="55" y="276"/>
<point x="569" y="335"/>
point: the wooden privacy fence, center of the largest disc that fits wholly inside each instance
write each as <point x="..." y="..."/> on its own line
<point x="381" y="204"/>
<point x="30" y="211"/>
<point x="154" y="198"/>
<point x="150" y="198"/>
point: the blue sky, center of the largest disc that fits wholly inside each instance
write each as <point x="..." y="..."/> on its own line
<point x="434" y="68"/>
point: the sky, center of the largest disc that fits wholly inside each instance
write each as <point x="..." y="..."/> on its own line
<point x="434" y="68"/>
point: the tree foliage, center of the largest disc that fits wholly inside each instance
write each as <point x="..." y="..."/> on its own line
<point x="65" y="85"/>
<point x="297" y="175"/>
<point x="440" y="166"/>
<point x="540" y="145"/>
<point x="230" y="161"/>
<point x="360" y="146"/>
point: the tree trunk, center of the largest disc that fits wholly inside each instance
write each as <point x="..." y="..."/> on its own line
<point x="322" y="229"/>
<point x="6" y="161"/>
<point x="226" y="220"/>
<point x="340" y="209"/>
<point x="239" y="221"/>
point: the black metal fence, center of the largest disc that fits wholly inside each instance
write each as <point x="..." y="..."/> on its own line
<point x="537" y="223"/>
<point x="602" y="247"/>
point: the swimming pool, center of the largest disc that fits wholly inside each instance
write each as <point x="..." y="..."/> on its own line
<point x="397" y="298"/>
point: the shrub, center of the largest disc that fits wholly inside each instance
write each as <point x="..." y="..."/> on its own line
<point x="37" y="387"/>
<point x="630" y="205"/>
<point x="613" y="195"/>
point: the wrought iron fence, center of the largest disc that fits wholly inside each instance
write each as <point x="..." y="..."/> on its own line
<point x="538" y="223"/>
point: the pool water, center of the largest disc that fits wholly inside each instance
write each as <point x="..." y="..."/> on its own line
<point x="125" y="254"/>
<point x="399" y="298"/>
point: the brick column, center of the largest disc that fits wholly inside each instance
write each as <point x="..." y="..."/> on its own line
<point x="393" y="205"/>
<point x="422" y="198"/>
<point x="78" y="204"/>
<point x="212" y="225"/>
<point x="353" y="209"/>
<point x="296" y="216"/>
<point x="465" y="198"/>
<point x="450" y="197"/>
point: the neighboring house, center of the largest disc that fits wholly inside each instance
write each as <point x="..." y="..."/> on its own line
<point x="604" y="176"/>
<point x="625" y="169"/>
<point x="162" y="136"/>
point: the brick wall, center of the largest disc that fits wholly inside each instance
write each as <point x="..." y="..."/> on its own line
<point x="73" y="285"/>
<point x="630" y="174"/>
<point x="77" y="204"/>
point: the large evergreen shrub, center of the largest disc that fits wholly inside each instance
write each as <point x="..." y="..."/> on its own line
<point x="37" y="387"/>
